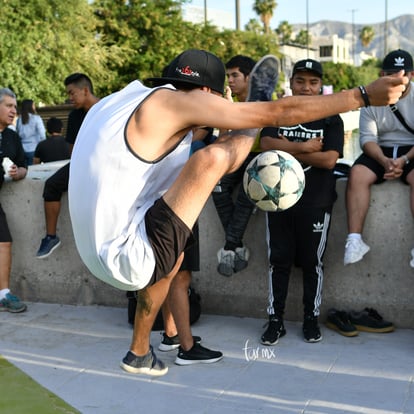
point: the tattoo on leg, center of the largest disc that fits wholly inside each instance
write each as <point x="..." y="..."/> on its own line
<point x="144" y="302"/>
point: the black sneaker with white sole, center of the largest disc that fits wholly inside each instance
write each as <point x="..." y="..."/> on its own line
<point x="197" y="355"/>
<point x="275" y="330"/>
<point x="169" y="343"/>
<point x="311" y="330"/>
<point x="148" y="364"/>
<point x="263" y="79"/>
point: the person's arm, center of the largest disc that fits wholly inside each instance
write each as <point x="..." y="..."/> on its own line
<point x="182" y="111"/>
<point x="40" y="127"/>
<point x="207" y="109"/>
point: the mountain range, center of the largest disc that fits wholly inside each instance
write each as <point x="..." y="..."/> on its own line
<point x="400" y="34"/>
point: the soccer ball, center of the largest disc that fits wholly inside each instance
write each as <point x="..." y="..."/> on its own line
<point x="274" y="180"/>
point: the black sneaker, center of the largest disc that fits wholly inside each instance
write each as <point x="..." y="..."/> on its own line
<point x="148" y="364"/>
<point x="369" y="320"/>
<point x="275" y="330"/>
<point x="339" y="322"/>
<point x="311" y="331"/>
<point x="263" y="79"/>
<point x="170" y="343"/>
<point x="197" y="355"/>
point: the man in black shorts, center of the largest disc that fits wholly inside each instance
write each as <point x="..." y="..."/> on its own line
<point x="80" y="91"/>
<point x="16" y="169"/>
<point x="388" y="154"/>
<point x="133" y="219"/>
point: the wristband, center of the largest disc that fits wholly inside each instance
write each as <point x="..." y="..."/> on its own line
<point x="406" y="159"/>
<point x="364" y="95"/>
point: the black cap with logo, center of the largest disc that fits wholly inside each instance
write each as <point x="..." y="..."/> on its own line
<point x="308" y="65"/>
<point x="195" y="67"/>
<point x="397" y="60"/>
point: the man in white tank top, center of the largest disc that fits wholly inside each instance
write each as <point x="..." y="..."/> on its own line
<point x="134" y="195"/>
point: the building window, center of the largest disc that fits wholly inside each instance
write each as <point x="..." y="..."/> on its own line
<point x="325" y="51"/>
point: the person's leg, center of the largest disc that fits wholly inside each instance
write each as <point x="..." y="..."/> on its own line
<point x="149" y="301"/>
<point x="358" y="194"/>
<point x="5" y="265"/>
<point x="180" y="307"/>
<point x="8" y="302"/>
<point x="54" y="188"/>
<point x="188" y="195"/>
<point x="281" y="252"/>
<point x="311" y="245"/>
<point x="52" y="210"/>
<point x="410" y="181"/>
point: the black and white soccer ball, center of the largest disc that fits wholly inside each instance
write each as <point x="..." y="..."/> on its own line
<point x="274" y="180"/>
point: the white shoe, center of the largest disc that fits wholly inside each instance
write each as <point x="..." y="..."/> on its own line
<point x="412" y="260"/>
<point x="355" y="250"/>
<point x="226" y="262"/>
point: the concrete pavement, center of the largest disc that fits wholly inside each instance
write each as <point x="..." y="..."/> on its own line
<point x="75" y="351"/>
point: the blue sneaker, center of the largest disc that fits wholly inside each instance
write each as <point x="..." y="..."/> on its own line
<point x="47" y="246"/>
<point x="12" y="304"/>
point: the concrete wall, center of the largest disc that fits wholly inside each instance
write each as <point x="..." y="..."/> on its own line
<point x="383" y="280"/>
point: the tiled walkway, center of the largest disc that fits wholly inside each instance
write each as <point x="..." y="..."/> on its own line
<point x="75" y="353"/>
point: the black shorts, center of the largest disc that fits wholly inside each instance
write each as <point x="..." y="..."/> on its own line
<point x="5" y="235"/>
<point x="169" y="237"/>
<point x="379" y="170"/>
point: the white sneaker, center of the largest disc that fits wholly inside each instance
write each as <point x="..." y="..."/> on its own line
<point x="412" y="260"/>
<point x="226" y="262"/>
<point x="355" y="250"/>
<point x="241" y="259"/>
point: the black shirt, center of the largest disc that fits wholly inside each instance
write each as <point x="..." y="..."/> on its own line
<point x="319" y="182"/>
<point x="11" y="146"/>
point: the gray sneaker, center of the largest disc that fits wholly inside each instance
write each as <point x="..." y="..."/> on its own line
<point x="148" y="364"/>
<point x="47" y="246"/>
<point x="226" y="262"/>
<point x="263" y="79"/>
<point x="241" y="259"/>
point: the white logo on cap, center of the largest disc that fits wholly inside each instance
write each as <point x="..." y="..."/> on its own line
<point x="308" y="65"/>
<point x="399" y="61"/>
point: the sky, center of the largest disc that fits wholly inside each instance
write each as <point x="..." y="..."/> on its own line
<point x="294" y="11"/>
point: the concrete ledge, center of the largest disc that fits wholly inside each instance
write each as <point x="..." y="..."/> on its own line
<point x="383" y="280"/>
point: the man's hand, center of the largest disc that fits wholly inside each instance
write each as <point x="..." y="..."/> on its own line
<point x="387" y="90"/>
<point x="393" y="168"/>
<point x="17" y="173"/>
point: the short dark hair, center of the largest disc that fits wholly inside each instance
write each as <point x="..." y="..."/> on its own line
<point x="244" y="63"/>
<point x="54" y="125"/>
<point x="80" y="80"/>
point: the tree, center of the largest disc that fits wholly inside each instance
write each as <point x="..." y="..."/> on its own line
<point x="284" y="32"/>
<point x="366" y="35"/>
<point x="303" y="38"/>
<point x="253" y="25"/>
<point x="264" y="9"/>
<point x="43" y="41"/>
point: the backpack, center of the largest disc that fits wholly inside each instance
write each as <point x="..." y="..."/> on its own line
<point x="195" y="309"/>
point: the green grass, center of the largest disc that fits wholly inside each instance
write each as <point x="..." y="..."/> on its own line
<point x="20" y="394"/>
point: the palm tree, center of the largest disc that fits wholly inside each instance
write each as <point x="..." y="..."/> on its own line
<point x="264" y="9"/>
<point x="284" y="31"/>
<point x="366" y="34"/>
<point x="303" y="38"/>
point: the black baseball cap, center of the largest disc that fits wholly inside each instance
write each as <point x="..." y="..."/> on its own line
<point x="397" y="60"/>
<point x="194" y="67"/>
<point x="308" y="65"/>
